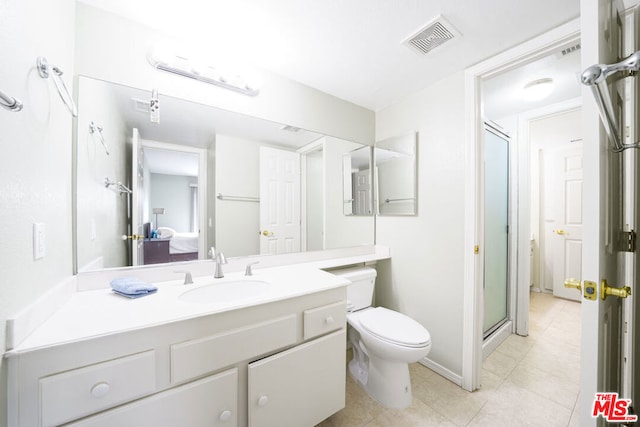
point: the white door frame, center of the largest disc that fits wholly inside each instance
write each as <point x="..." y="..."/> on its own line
<point x="473" y="121"/>
<point x="304" y="151"/>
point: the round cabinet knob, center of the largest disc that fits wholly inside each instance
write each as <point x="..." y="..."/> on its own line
<point x="225" y="415"/>
<point x="328" y="320"/>
<point x="100" y="390"/>
<point x="263" y="400"/>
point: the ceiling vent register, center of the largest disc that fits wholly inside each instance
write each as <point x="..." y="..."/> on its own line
<point x="431" y="36"/>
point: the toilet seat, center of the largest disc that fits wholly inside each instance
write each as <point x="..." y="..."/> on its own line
<point x="394" y="327"/>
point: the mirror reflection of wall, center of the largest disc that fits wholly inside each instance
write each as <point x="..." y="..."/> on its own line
<point x="396" y="175"/>
<point x="229" y="146"/>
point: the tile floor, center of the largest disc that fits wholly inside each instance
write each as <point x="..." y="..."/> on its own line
<point x="527" y="381"/>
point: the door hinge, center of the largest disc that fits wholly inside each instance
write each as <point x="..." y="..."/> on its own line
<point x="628" y="241"/>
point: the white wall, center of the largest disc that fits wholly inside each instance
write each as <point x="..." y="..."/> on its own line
<point x="35" y="165"/>
<point x="424" y="278"/>
<point x="173" y="193"/>
<point x="314" y="200"/>
<point x="101" y="212"/>
<point x="111" y="48"/>
<point x="237" y="223"/>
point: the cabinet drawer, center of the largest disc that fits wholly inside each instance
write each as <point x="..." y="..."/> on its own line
<point x="198" y="357"/>
<point x="319" y="321"/>
<point x="209" y="402"/>
<point x="79" y="392"/>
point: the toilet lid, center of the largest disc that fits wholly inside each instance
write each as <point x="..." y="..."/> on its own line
<point x="394" y="327"/>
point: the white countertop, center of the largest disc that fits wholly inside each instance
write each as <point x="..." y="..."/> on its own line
<point x="101" y="312"/>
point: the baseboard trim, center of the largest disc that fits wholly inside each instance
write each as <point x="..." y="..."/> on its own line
<point x="442" y="371"/>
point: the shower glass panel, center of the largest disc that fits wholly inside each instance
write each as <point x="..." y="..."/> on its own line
<point x="496" y="228"/>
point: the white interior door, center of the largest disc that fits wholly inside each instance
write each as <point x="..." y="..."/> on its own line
<point x="279" y="201"/>
<point x="137" y="188"/>
<point x="566" y="241"/>
<point x="362" y="192"/>
<point x="601" y="356"/>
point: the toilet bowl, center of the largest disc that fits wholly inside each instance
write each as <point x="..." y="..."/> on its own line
<point x="384" y="342"/>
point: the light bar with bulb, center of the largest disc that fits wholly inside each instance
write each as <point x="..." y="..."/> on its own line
<point x="183" y="66"/>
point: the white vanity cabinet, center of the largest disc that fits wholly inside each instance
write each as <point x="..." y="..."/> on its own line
<point x="280" y="363"/>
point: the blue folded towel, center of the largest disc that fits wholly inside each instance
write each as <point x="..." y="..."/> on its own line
<point x="132" y="287"/>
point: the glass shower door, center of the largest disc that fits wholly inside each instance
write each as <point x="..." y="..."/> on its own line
<point x="496" y="228"/>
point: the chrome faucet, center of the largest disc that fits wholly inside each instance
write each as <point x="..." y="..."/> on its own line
<point x="248" y="271"/>
<point x="187" y="276"/>
<point x="219" y="259"/>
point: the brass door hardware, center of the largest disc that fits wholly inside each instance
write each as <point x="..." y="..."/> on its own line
<point x="573" y="283"/>
<point x="266" y="233"/>
<point x="606" y="290"/>
<point x="561" y="232"/>
<point x="589" y="290"/>
<point x="134" y="237"/>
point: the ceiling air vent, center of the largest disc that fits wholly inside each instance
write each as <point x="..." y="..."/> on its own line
<point x="290" y="128"/>
<point x="570" y="49"/>
<point x="431" y="36"/>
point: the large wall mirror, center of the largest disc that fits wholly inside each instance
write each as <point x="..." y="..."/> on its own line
<point x="194" y="177"/>
<point x="395" y="177"/>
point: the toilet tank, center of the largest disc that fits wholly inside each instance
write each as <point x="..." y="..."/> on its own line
<point x="360" y="291"/>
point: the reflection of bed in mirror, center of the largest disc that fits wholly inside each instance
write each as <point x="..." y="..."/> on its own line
<point x="171" y="246"/>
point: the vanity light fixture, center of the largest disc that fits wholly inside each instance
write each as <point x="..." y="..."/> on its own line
<point x="537" y="89"/>
<point x="189" y="67"/>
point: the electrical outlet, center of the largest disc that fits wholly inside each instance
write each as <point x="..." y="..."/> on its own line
<point x="39" y="241"/>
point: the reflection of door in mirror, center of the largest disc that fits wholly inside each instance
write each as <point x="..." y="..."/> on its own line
<point x="357" y="187"/>
<point x="362" y="192"/>
<point x="279" y="201"/>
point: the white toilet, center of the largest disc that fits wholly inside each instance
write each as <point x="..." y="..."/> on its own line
<point x="384" y="342"/>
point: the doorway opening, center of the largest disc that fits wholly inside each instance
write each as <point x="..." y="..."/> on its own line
<point x="476" y="79"/>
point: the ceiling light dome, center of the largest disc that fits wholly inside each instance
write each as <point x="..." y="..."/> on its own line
<point x="537" y="89"/>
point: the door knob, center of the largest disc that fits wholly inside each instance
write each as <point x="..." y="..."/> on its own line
<point x="561" y="232"/>
<point x="573" y="283"/>
<point x="267" y="233"/>
<point x="133" y="237"/>
<point x="606" y="290"/>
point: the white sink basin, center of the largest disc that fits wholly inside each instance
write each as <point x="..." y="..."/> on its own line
<point x="227" y="291"/>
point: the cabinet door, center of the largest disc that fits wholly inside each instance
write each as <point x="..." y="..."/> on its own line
<point x="208" y="402"/>
<point x="299" y="387"/>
